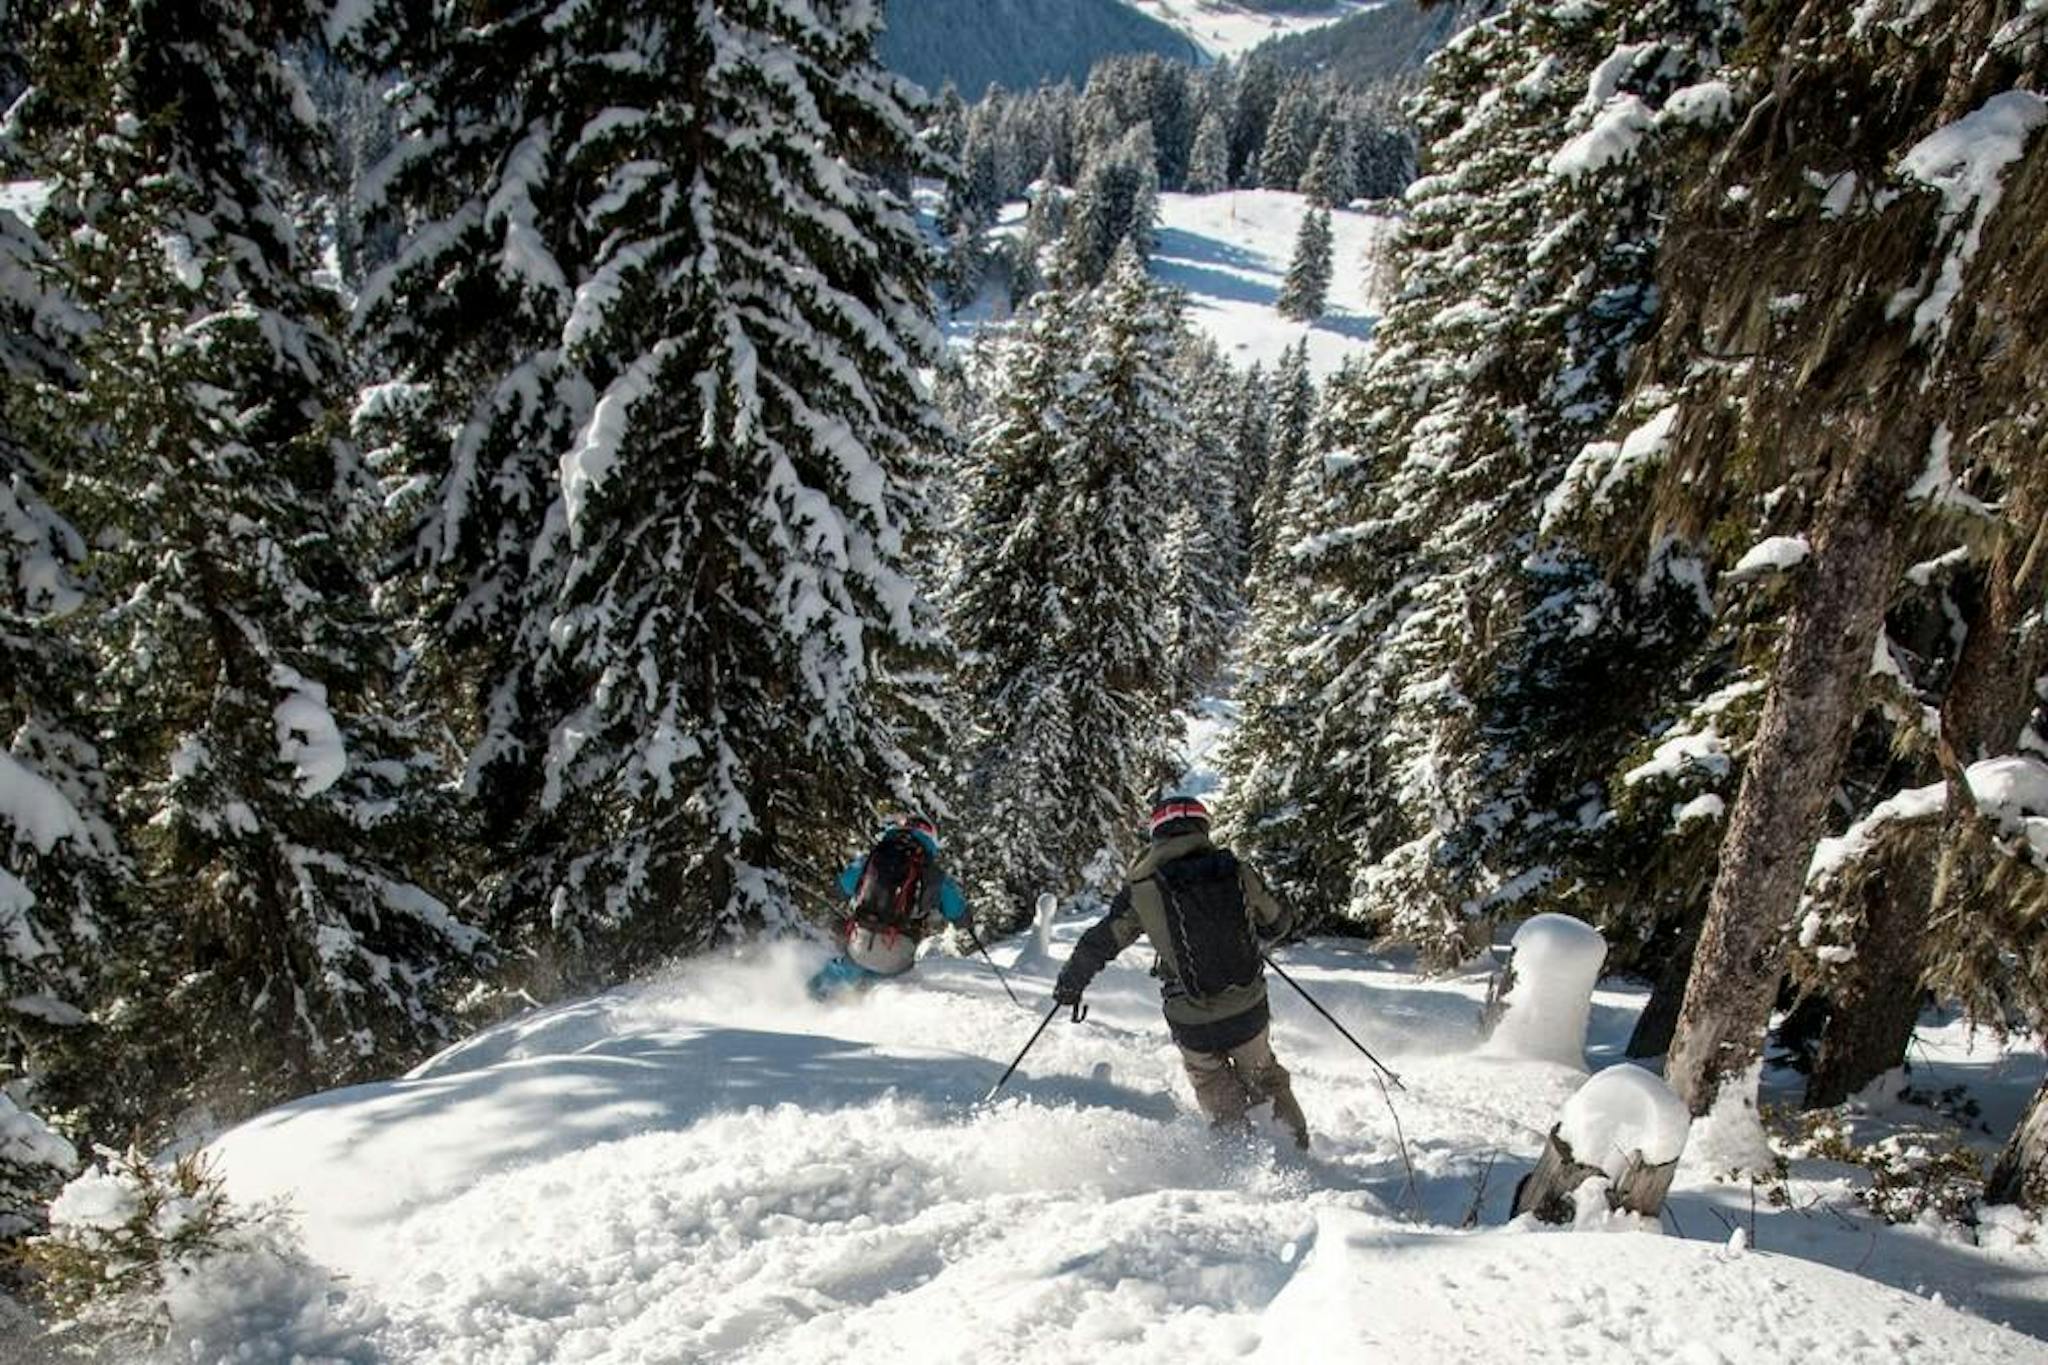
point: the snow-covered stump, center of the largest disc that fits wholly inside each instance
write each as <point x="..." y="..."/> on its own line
<point x="1623" y="1126"/>
<point x="1548" y="994"/>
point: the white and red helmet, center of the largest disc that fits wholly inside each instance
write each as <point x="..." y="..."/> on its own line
<point x="1169" y="809"/>
<point x="920" y="824"/>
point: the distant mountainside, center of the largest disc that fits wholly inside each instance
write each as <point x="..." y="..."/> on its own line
<point x="1017" y="43"/>
<point x="1380" y="44"/>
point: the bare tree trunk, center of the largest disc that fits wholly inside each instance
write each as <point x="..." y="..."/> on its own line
<point x="2020" y="1175"/>
<point x="1659" y="1019"/>
<point x="1876" y="995"/>
<point x="1793" y="767"/>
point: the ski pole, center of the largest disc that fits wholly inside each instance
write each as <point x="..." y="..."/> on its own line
<point x="968" y="924"/>
<point x="1080" y="1013"/>
<point x="1333" y="1022"/>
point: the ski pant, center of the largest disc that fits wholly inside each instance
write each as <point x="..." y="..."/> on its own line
<point x="1228" y="1083"/>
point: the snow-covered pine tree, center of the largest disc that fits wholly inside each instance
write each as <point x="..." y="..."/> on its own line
<point x="1116" y="201"/>
<point x="1125" y="432"/>
<point x="1045" y="217"/>
<point x="266" y="784"/>
<point x="1265" y="757"/>
<point x="1914" y="387"/>
<point x="742" y="651"/>
<point x="1204" y="550"/>
<point x="1005" y="615"/>
<point x="59" y="863"/>
<point x="1061" y="599"/>
<point x="1306" y="290"/>
<point x="1209" y="159"/>
<point x="1488" y="376"/>
<point x="1291" y="137"/>
<point x="1259" y="86"/>
<point x="1331" y="180"/>
<point x="473" y="391"/>
<point x="1252" y="439"/>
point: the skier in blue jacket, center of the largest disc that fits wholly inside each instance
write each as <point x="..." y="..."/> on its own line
<point x="895" y="894"/>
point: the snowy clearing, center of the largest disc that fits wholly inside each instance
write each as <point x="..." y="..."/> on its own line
<point x="1229" y="253"/>
<point x="708" y="1166"/>
<point x="1222" y="29"/>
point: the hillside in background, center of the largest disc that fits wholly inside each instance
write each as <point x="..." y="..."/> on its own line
<point x="1017" y="43"/>
<point x="1382" y="43"/>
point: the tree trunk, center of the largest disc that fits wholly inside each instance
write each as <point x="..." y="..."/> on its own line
<point x="1792" y="770"/>
<point x="1876" y="994"/>
<point x="1659" y="1019"/>
<point x="2020" y="1175"/>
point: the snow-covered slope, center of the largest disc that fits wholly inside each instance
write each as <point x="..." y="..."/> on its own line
<point x="709" y="1167"/>
<point x="1222" y="29"/>
<point x="1229" y="252"/>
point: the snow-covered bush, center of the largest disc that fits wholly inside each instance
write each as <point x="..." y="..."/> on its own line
<point x="1914" y="1175"/>
<point x="124" y="1229"/>
<point x="148" y="1261"/>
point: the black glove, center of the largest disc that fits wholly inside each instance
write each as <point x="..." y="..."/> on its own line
<point x="1067" y="990"/>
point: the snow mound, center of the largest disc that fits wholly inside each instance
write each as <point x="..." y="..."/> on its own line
<point x="1621" y="1112"/>
<point x="1556" y="963"/>
<point x="1368" y="1292"/>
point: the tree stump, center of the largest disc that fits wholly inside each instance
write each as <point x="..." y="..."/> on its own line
<point x="1548" y="1190"/>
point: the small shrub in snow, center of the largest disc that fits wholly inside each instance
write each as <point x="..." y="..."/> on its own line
<point x="124" y="1230"/>
<point x="1913" y="1175"/>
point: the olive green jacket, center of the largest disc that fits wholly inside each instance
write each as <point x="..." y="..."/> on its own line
<point x="1138" y="909"/>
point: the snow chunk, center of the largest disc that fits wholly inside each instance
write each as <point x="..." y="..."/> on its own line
<point x="1621" y="1112"/>
<point x="100" y="1200"/>
<point x="1703" y="105"/>
<point x="1965" y="161"/>
<point x="1616" y="132"/>
<point x="1705" y="750"/>
<point x="1773" y="555"/>
<point x="587" y="466"/>
<point x="1555" y="964"/>
<point x="1705" y="806"/>
<point x="307" y="737"/>
<point x="1936" y="485"/>
<point x="1832" y="854"/>
<point x="39" y="812"/>
<point x="1603" y="468"/>
<point x="2013" y="790"/>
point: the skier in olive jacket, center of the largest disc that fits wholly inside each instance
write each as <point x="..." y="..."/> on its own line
<point x="1204" y="913"/>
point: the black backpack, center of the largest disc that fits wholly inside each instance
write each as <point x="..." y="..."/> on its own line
<point x="1210" y="925"/>
<point x="891" y="891"/>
